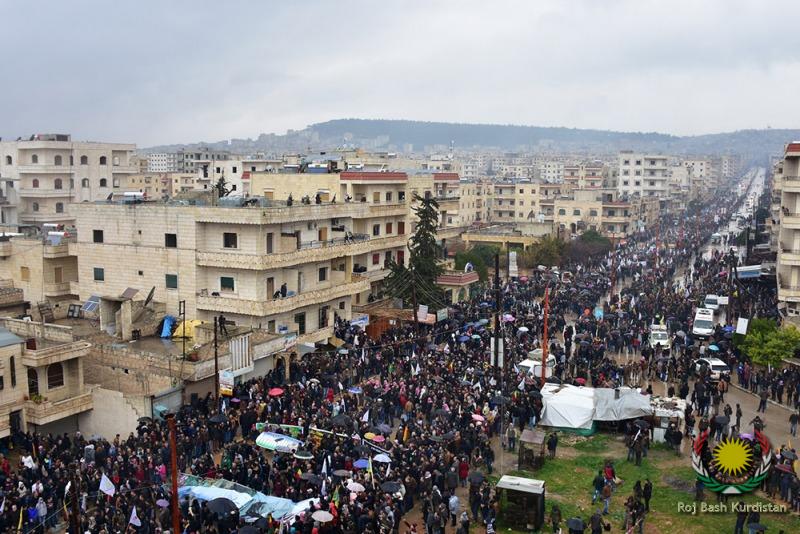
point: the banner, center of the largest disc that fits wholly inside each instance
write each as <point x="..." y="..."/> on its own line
<point x="741" y="326"/>
<point x="226" y="382"/>
<point x="513" y="271"/>
<point x="422" y="313"/>
<point x="441" y="315"/>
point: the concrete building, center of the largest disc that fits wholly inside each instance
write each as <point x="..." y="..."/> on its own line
<point x="551" y="171"/>
<point x="162" y="162"/>
<point x="643" y="174"/>
<point x="587" y="175"/>
<point x="41" y="176"/>
<point x="188" y="159"/>
<point x="159" y="185"/>
<point x="788" y="265"/>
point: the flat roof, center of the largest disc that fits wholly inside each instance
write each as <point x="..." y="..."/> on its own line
<point x="7" y="338"/>
<point x="525" y="485"/>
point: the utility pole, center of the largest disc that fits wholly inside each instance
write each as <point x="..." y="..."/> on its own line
<point x="216" y="364"/>
<point x="173" y="453"/>
<point x="182" y="313"/>
<point x="75" y="516"/>
<point x="498" y="298"/>
<point x="413" y="288"/>
<point x="544" y="335"/>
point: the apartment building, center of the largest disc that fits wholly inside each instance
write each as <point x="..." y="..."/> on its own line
<point x="551" y="171"/>
<point x="189" y="159"/>
<point x="788" y="267"/>
<point x="159" y="185"/>
<point x="475" y="199"/>
<point x="41" y="378"/>
<point x="44" y="269"/>
<point x="642" y="174"/>
<point x="41" y="176"/>
<point x="162" y="162"/>
<point x="601" y="210"/>
<point x="587" y="175"/>
<point x="237" y="171"/>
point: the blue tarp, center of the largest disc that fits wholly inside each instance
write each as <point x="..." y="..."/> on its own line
<point x="250" y="502"/>
<point x="168" y="322"/>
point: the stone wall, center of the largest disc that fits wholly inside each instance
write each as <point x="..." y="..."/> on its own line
<point x="113" y="414"/>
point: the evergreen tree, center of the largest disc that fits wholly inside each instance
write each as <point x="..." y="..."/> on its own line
<point x="222" y="187"/>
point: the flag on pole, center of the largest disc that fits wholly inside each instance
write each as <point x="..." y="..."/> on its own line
<point x="134" y="520"/>
<point x="325" y="466"/>
<point x="324" y="490"/>
<point x="405" y="434"/>
<point x="106" y="486"/>
<point x="3" y="506"/>
<point x="341" y="387"/>
<point x="388" y="467"/>
<point x="521" y="385"/>
<point x="365" y="417"/>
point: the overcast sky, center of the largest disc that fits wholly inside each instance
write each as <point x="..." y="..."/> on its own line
<point x="174" y="71"/>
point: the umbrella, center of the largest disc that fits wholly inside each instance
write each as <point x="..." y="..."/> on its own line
<point x="789" y="454"/>
<point x="261" y="522"/>
<point x="499" y="400"/>
<point x="369" y="435"/>
<point x="145" y="420"/>
<point x="311" y="477"/>
<point x="390" y="487"/>
<point x="341" y="473"/>
<point x="523" y="329"/>
<point x="508" y="318"/>
<point x="462" y="339"/>
<point x="484" y="304"/>
<point x="479" y="418"/>
<point x="218" y="418"/>
<point x="248" y="529"/>
<point x="642" y="424"/>
<point x="275" y="392"/>
<point x="681" y="333"/>
<point x="222" y="506"/>
<point x="476" y="477"/>
<point x="322" y="516"/>
<point x="785" y="468"/>
<point x="235" y="400"/>
<point x="355" y="390"/>
<point x="483" y="321"/>
<point x="378" y="439"/>
<point x="341" y="420"/>
<point x="384" y="428"/>
<point x="278" y="442"/>
<point x="383" y="458"/>
<point x="747" y="436"/>
<point x="728" y="328"/>
<point x="523" y="278"/>
<point x="361" y="463"/>
<point x="162" y="503"/>
<point x="576" y="523"/>
<point x="713" y="348"/>
<point x="303" y="455"/>
<point x="581" y="381"/>
<point x="536" y="394"/>
<point x="722" y="419"/>
<point x="355" y="487"/>
<point x="475" y="336"/>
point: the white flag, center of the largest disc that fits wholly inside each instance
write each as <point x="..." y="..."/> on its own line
<point x="106" y="486"/>
<point x="341" y="387"/>
<point x="66" y="489"/>
<point x="134" y="520"/>
<point x="3" y="506"/>
<point x="365" y="417"/>
<point x="325" y="467"/>
<point x="324" y="490"/>
<point x="418" y="369"/>
<point x="521" y="385"/>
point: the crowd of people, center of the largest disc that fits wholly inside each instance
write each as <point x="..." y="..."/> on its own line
<point x="425" y="398"/>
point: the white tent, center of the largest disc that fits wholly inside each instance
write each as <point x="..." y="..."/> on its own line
<point x="629" y="404"/>
<point x="567" y="406"/>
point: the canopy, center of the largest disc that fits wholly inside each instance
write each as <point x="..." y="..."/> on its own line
<point x="630" y="404"/>
<point x="278" y="442"/>
<point x="189" y="326"/>
<point x="568" y="406"/>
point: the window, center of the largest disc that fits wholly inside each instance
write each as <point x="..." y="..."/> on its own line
<point x="59" y="207"/>
<point x="637" y="183"/>
<point x="25" y="274"/>
<point x="401" y="227"/>
<point x="562" y="211"/>
<point x="341" y="307"/>
<point x="270" y="243"/>
<point x="34" y="158"/>
<point x="218" y="170"/>
<point x="35" y="183"/>
<point x="626" y="172"/>
<point x="652" y="162"/>
<point x="72" y="183"/>
<point x="227" y="283"/>
<point x="71" y="160"/>
<point x="103" y="182"/>
<point x="388" y="196"/>
<point x="99" y="274"/>
<point x="323" y="274"/>
<point x="171" y="240"/>
<point x="57" y="160"/>
<point x="35" y="206"/>
<point x="55" y="375"/>
<point x="58" y="183"/>
<point x="84" y="160"/>
<point x="115" y="182"/>
<point x="592" y="213"/>
<point x="638" y="173"/>
<point x="230" y="240"/>
<point x="234" y="170"/>
<point x="300" y="319"/>
<point x="323" y="316"/>
<point x="85" y="182"/>
<point x="103" y="160"/>
<point x="626" y="162"/>
<point x="576" y="212"/>
<point x="389" y="228"/>
<point x="171" y="281"/>
<point x="12" y="364"/>
<point x="376" y="259"/>
<point x="638" y="162"/>
<point x="376" y="229"/>
<point x="97" y="236"/>
<point x="9" y="160"/>
<point x="652" y="183"/>
<point x="625" y="182"/>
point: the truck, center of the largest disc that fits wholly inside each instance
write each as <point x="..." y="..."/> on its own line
<point x="703" y="324"/>
<point x="532" y="366"/>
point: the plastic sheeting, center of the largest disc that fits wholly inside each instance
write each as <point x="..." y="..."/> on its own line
<point x="630" y="405"/>
<point x="251" y="503"/>
<point x="166" y="331"/>
<point x="188" y="326"/>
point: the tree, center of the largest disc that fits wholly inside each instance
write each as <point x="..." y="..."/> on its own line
<point x="222" y="187"/>
<point x="768" y="344"/>
<point x="547" y="252"/>
<point x="589" y="243"/>
<point x="423" y="264"/>
<point x="480" y="256"/>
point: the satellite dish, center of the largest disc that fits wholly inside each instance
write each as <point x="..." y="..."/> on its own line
<point x="109" y="197"/>
<point x="149" y="297"/>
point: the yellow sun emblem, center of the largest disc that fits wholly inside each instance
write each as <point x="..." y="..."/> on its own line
<point x="733" y="456"/>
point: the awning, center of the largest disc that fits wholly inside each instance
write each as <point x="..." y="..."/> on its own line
<point x="525" y="485"/>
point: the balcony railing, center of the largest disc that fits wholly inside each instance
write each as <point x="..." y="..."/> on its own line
<point x="57" y="289"/>
<point x="41" y="413"/>
<point x="57" y="353"/>
<point x="348" y="240"/>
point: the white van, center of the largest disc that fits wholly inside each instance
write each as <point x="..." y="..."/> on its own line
<point x="659" y="336"/>
<point x="711" y="302"/>
<point x="703" y="326"/>
<point x="532" y="366"/>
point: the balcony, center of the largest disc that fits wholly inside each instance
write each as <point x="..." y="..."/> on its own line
<point x="38" y="217"/>
<point x="62" y="250"/>
<point x="452" y="201"/>
<point x="45" y="193"/>
<point x="48" y="411"/>
<point x="57" y="289"/>
<point x="790" y="183"/>
<point x="56" y="353"/>
<point x="124" y="169"/>
<point x="264" y="308"/>
<point x="45" y="169"/>
<point x="616" y="219"/>
<point x="316" y="251"/>
<point x="387" y="209"/>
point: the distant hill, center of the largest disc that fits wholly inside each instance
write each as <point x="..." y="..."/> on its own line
<point x="395" y="135"/>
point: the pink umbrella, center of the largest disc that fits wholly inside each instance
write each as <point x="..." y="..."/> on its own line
<point x="478" y="418"/>
<point x="275" y="392"/>
<point x="378" y="439"/>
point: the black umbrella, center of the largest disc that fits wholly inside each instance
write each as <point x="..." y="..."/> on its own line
<point x="222" y="506"/>
<point x="576" y="523"/>
<point x="218" y="418"/>
<point x="642" y="424"/>
<point x="248" y="530"/>
<point x="499" y="400"/>
<point x="476" y="477"/>
<point x="341" y="473"/>
<point x="536" y="394"/>
<point x="390" y="487"/>
<point x="722" y="419"/>
<point x="789" y="454"/>
<point x="145" y="420"/>
<point x="311" y="477"/>
<point x="341" y="420"/>
<point x="303" y="455"/>
<point x="261" y="522"/>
